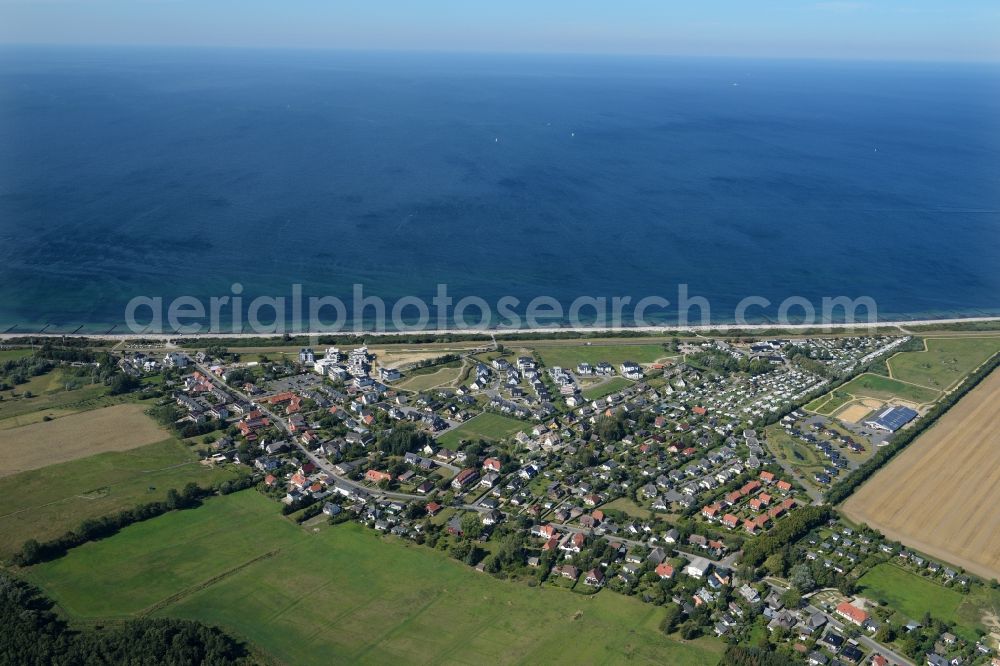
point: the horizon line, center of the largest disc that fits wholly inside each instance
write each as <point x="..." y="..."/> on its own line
<point x="528" y="53"/>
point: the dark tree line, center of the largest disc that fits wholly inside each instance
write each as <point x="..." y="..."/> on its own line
<point x="33" y="634"/>
<point x="743" y="655"/>
<point x="403" y="439"/>
<point x="784" y="534"/>
<point x="93" y="529"/>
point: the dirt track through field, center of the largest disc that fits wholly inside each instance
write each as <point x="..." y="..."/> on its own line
<point x="116" y="428"/>
<point x="941" y="495"/>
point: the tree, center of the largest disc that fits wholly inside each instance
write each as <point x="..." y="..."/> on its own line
<point x="886" y="633"/>
<point x="123" y="383"/>
<point x="775" y="564"/>
<point x="30" y="551"/>
<point x="671" y="618"/>
<point x="472" y="525"/>
<point x="791" y="598"/>
<point x="33" y="634"/>
<point x="801" y="577"/>
<point x="403" y="439"/>
<point x="690" y="630"/>
<point x="173" y="499"/>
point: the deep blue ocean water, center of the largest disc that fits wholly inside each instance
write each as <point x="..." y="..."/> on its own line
<point x="128" y="172"/>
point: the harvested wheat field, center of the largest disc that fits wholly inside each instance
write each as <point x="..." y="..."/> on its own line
<point x="941" y="495"/>
<point x="116" y="428"/>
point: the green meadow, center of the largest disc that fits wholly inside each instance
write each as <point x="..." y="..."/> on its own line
<point x="607" y="388"/>
<point x="911" y="594"/>
<point x="946" y="360"/>
<point x="884" y="388"/>
<point x="484" y="426"/>
<point x="569" y="356"/>
<point x="47" y="502"/>
<point x="345" y="594"/>
<point x="52" y="394"/>
<point x="14" y="354"/>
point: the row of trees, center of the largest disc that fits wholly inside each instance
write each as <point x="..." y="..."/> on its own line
<point x="788" y="531"/>
<point x="33" y="634"/>
<point x="92" y="529"/>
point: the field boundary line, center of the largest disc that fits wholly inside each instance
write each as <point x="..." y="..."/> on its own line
<point x="177" y="596"/>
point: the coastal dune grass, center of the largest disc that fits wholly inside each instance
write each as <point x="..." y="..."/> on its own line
<point x="344" y="594"/>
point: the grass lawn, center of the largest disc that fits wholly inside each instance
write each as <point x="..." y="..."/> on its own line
<point x="979" y="604"/>
<point x="884" y="388"/>
<point x="426" y="380"/>
<point x="14" y="354"/>
<point x="613" y="385"/>
<point x="830" y="402"/>
<point x="629" y="507"/>
<point x="946" y="360"/>
<point x="815" y="404"/>
<point x="346" y="595"/>
<point x="485" y="426"/>
<point x="45" y="503"/>
<point x="799" y="454"/>
<point x="910" y="594"/>
<point x="569" y="356"/>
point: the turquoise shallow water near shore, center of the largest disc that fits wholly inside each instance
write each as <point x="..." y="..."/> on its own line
<point x="127" y="172"/>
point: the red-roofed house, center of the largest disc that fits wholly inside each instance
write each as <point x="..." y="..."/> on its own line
<point x="492" y="464"/>
<point x="464" y="478"/>
<point x="730" y="521"/>
<point x="784" y="486"/>
<point x="375" y="476"/>
<point x="851" y="613"/>
<point x="664" y="570"/>
<point x="433" y="508"/>
<point x="767" y="477"/>
<point x="547" y="531"/>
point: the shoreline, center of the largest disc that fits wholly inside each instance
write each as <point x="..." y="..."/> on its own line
<point x="488" y="333"/>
